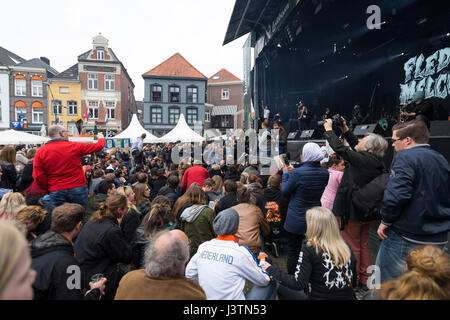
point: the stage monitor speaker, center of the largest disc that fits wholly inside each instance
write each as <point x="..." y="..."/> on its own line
<point x="293" y="135"/>
<point x="310" y="134"/>
<point x="440" y="128"/>
<point x="362" y="129"/>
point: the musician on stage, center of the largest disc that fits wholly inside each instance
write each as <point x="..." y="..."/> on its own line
<point x="419" y="109"/>
<point x="327" y="114"/>
<point x="304" y="118"/>
<point x="357" y="117"/>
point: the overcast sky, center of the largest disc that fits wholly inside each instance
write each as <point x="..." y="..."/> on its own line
<point x="142" y="33"/>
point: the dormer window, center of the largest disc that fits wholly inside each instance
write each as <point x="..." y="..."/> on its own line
<point x="100" y="54"/>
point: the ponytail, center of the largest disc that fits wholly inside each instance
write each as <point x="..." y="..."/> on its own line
<point x="108" y="209"/>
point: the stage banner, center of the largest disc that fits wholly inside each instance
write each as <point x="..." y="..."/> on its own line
<point x="429" y="74"/>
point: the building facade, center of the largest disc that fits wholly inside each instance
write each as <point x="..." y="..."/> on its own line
<point x="65" y="99"/>
<point x="4" y="98"/>
<point x="225" y="93"/>
<point x="28" y="83"/>
<point x="107" y="91"/>
<point x="172" y="88"/>
<point x="7" y="59"/>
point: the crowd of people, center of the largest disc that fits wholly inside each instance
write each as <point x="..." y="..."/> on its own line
<point x="81" y="222"/>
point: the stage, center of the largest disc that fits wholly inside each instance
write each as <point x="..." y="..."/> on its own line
<point x="439" y="141"/>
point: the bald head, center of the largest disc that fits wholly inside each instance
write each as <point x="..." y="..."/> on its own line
<point x="56" y="131"/>
<point x="167" y="254"/>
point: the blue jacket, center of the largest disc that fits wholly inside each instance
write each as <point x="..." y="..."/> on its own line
<point x="416" y="201"/>
<point x="305" y="185"/>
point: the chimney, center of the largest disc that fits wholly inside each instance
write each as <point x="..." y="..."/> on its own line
<point x="46" y="60"/>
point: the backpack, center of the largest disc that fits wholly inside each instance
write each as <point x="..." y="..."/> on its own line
<point x="367" y="199"/>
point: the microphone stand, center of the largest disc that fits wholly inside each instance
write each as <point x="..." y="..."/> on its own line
<point x="371" y="100"/>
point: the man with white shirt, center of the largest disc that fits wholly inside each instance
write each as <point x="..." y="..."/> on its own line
<point x="222" y="265"/>
<point x="137" y="150"/>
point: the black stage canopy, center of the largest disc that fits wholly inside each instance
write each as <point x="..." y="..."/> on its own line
<point x="324" y="53"/>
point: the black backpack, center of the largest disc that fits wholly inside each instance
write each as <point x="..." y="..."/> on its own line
<point x="367" y="199"/>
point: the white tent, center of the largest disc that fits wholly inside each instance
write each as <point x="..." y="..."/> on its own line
<point x="135" y="130"/>
<point x="19" y="137"/>
<point x="182" y="133"/>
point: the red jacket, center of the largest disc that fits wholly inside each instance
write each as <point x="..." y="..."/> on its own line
<point x="195" y="174"/>
<point x="57" y="164"/>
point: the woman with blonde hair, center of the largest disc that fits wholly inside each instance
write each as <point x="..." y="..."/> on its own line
<point x="427" y="277"/>
<point x="16" y="275"/>
<point x="325" y="262"/>
<point x="142" y="193"/>
<point x="31" y="217"/>
<point x="132" y="219"/>
<point x="100" y="246"/>
<point x="11" y="204"/>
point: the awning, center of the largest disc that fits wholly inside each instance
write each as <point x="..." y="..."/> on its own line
<point x="247" y="15"/>
<point x="36" y="78"/>
<point x="20" y="104"/>
<point x="223" y="110"/>
<point x="19" y="76"/>
<point x="36" y="105"/>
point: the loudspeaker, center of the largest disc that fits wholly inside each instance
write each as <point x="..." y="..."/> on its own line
<point x="311" y="134"/>
<point x="293" y="135"/>
<point x="362" y="129"/>
<point x="440" y="128"/>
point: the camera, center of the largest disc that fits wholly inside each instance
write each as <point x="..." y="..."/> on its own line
<point x="337" y="121"/>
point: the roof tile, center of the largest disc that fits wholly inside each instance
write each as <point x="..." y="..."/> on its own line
<point x="223" y="76"/>
<point x="175" y="66"/>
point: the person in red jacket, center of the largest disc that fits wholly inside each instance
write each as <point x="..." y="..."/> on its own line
<point x="195" y="174"/>
<point x="57" y="167"/>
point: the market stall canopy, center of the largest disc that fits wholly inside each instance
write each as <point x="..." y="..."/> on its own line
<point x="182" y="132"/>
<point x="135" y="130"/>
<point x="19" y="137"/>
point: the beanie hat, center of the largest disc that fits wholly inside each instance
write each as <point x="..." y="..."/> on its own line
<point x="226" y="222"/>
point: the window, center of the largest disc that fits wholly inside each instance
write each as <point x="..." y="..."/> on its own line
<point x="38" y="115"/>
<point x="63" y="90"/>
<point x="191" y="115"/>
<point x="56" y="107"/>
<point x="21" y="113"/>
<point x="225" y="121"/>
<point x="72" y="128"/>
<point x="225" y="93"/>
<point x="192" y="94"/>
<point x="174" y="94"/>
<point x="156" y="114"/>
<point x="207" y="115"/>
<point x="100" y="54"/>
<point x="93" y="109"/>
<point x="156" y="93"/>
<point x="174" y="115"/>
<point x="109" y="82"/>
<point x="36" y="88"/>
<point x="93" y="81"/>
<point x="21" y="87"/>
<point x="72" y="107"/>
<point x="110" y="109"/>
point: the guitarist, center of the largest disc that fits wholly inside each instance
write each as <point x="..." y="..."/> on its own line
<point x="420" y="109"/>
<point x="357" y="117"/>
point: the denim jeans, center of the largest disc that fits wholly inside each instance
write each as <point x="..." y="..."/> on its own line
<point x="268" y="292"/>
<point x="73" y="195"/>
<point x="391" y="258"/>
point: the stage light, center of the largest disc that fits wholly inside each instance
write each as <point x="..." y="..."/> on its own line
<point x="448" y="34"/>
<point x="403" y="54"/>
<point x="279" y="45"/>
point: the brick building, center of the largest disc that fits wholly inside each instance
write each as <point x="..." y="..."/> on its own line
<point x="28" y="94"/>
<point x="225" y="92"/>
<point x="107" y="91"/>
